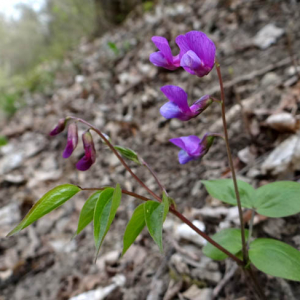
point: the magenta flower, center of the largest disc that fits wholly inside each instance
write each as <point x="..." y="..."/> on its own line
<point x="197" y="53"/>
<point x="72" y="140"/>
<point x="178" y="107"/>
<point x="163" y="58"/>
<point x="193" y="147"/>
<point x="59" y="127"/>
<point x="90" y="153"/>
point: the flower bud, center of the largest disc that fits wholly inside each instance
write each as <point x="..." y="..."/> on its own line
<point x="90" y="153"/>
<point x="59" y="127"/>
<point x="72" y="140"/>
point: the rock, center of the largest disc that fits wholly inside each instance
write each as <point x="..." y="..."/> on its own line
<point x="283" y="122"/>
<point x="246" y="156"/>
<point x="183" y="231"/>
<point x="267" y="36"/>
<point x="194" y="293"/>
<point x="11" y="162"/>
<point x="285" y="157"/>
<point x="270" y="79"/>
<point x="9" y="214"/>
<point x="273" y="227"/>
<point x="103" y="292"/>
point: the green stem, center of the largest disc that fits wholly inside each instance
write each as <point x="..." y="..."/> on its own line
<point x="112" y="148"/>
<point x="182" y="218"/>
<point x="250" y="227"/>
<point x="244" y="245"/>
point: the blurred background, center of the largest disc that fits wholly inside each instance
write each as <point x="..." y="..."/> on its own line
<point x="91" y="59"/>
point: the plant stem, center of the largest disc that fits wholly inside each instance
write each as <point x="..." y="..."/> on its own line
<point x="145" y="164"/>
<point x="256" y="284"/>
<point x="112" y="148"/>
<point x="250" y="228"/>
<point x="245" y="252"/>
<point x="172" y="209"/>
<point x="182" y="218"/>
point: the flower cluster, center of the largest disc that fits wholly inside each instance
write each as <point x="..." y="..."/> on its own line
<point x="72" y="141"/>
<point x="196" y="56"/>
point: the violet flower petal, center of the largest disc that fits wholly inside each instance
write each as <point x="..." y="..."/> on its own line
<point x="163" y="46"/>
<point x="184" y="158"/>
<point x="170" y="110"/>
<point x="159" y="60"/>
<point x="190" y="62"/>
<point x="59" y="127"/>
<point x="202" y="46"/>
<point x="72" y="140"/>
<point x="90" y="153"/>
<point x="177" y="96"/>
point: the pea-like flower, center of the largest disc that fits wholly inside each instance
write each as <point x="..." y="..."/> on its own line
<point x="72" y="140"/>
<point x="178" y="107"/>
<point x="164" y="58"/>
<point x="197" y="53"/>
<point x="90" y="153"/>
<point x="192" y="147"/>
<point x="59" y="127"/>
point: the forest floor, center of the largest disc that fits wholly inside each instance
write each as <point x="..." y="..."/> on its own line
<point x="118" y="90"/>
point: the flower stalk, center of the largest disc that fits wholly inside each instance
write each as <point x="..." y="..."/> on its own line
<point x="244" y="245"/>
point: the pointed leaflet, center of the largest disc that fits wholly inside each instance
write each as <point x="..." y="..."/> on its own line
<point x="128" y="153"/>
<point x="87" y="211"/>
<point x="134" y="227"/>
<point x="223" y="190"/>
<point x="104" y="213"/>
<point x="230" y="239"/>
<point x="275" y="258"/>
<point x="278" y="199"/>
<point x="51" y="200"/>
<point x="155" y="214"/>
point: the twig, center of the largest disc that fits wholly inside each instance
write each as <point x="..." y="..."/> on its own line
<point x="224" y="280"/>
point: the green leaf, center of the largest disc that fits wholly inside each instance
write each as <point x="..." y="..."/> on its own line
<point x="278" y="199"/>
<point x="275" y="258"/>
<point x="155" y="214"/>
<point x="128" y="153"/>
<point x="104" y="213"/>
<point x="223" y="190"/>
<point x="51" y="200"/>
<point x="3" y="140"/>
<point x="113" y="47"/>
<point x="134" y="227"/>
<point x="87" y="212"/>
<point x="229" y="238"/>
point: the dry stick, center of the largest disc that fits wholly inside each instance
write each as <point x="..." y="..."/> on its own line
<point x="245" y="253"/>
<point x="182" y="218"/>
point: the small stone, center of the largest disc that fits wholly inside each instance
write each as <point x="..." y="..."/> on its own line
<point x="270" y="79"/>
<point x="185" y="232"/>
<point x="194" y="293"/>
<point x="267" y="36"/>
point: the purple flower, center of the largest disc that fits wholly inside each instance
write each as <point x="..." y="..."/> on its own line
<point x="163" y="58"/>
<point x="59" y="127"/>
<point x="178" y="106"/>
<point x="197" y="53"/>
<point x="90" y="153"/>
<point x="72" y="140"/>
<point x="193" y="147"/>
